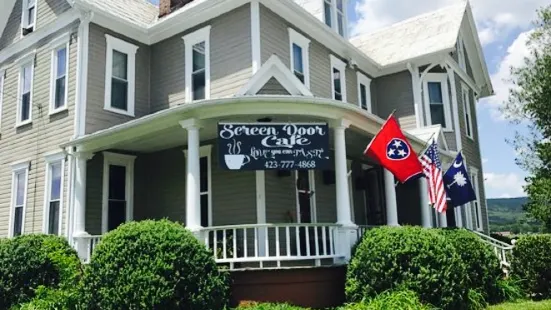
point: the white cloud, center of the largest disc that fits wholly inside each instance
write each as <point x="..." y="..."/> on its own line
<point x="501" y="185"/>
<point x="495" y="18"/>
<point x="501" y="79"/>
<point x="484" y="160"/>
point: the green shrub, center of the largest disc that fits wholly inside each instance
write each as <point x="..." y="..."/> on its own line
<point x="413" y="258"/>
<point x="268" y="306"/>
<point x="54" y="299"/>
<point x="509" y="289"/>
<point x="32" y="261"/>
<point x="532" y="264"/>
<point x="153" y="265"/>
<point x="477" y="300"/>
<point x="401" y="299"/>
<point x="482" y="265"/>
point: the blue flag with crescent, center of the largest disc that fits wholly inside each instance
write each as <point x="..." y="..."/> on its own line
<point x="458" y="183"/>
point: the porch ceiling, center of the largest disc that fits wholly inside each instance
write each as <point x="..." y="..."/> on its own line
<point x="161" y="130"/>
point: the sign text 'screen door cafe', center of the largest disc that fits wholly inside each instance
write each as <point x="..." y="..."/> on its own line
<point x="267" y="146"/>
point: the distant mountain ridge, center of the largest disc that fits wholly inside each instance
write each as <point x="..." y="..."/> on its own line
<point x="507" y="214"/>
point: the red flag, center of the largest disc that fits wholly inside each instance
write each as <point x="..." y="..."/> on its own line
<point x="393" y="151"/>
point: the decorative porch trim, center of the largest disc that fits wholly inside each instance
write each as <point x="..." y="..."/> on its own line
<point x="275" y="68"/>
<point x="127" y="161"/>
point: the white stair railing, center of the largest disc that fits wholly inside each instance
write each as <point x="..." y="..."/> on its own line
<point x="502" y="250"/>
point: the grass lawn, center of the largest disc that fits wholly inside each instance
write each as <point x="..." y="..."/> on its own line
<point x="526" y="305"/>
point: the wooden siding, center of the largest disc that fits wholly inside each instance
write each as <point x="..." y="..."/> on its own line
<point x="273" y="87"/>
<point x="394" y="92"/>
<point x="33" y="141"/>
<point x="97" y="118"/>
<point x="230" y="56"/>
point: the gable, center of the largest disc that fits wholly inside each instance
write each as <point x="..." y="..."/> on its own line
<point x="10" y="22"/>
<point x="273" y="87"/>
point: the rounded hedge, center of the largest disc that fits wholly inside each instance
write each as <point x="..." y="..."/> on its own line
<point x="481" y="264"/>
<point x="32" y="262"/>
<point x="531" y="264"/>
<point x="410" y="258"/>
<point x="153" y="265"/>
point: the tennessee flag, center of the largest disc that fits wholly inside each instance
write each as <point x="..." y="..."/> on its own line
<point x="393" y="151"/>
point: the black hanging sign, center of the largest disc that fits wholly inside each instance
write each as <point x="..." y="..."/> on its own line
<point x="267" y="146"/>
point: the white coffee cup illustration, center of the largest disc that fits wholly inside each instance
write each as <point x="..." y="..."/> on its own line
<point x="235" y="162"/>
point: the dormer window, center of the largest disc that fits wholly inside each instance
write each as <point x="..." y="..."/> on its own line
<point x="28" y="18"/>
<point x="335" y="15"/>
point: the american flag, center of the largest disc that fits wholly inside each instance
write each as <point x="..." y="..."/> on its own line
<point x="432" y="168"/>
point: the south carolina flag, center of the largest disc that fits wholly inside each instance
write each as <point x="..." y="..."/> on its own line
<point x="393" y="151"/>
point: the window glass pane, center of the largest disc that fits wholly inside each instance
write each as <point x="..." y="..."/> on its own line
<point x="26" y="107"/>
<point x="339" y="5"/>
<point x="55" y="191"/>
<point x="30" y="16"/>
<point x="18" y="221"/>
<point x="199" y="56"/>
<point x="337" y="84"/>
<point x="117" y="182"/>
<point x="116" y="214"/>
<point x="53" y="218"/>
<point x="61" y="62"/>
<point x="297" y="59"/>
<point x="327" y="10"/>
<point x="198" y="85"/>
<point x="20" y="188"/>
<point x="27" y="70"/>
<point x="205" y="210"/>
<point x="59" y="92"/>
<point x="437" y="114"/>
<point x="340" y="21"/>
<point x="120" y="65"/>
<point x="119" y="94"/>
<point x="435" y="92"/>
<point x="204" y="166"/>
<point x="363" y="96"/>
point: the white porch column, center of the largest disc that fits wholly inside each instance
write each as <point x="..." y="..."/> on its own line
<point x="391" y="203"/>
<point x="80" y="204"/>
<point x="458" y="217"/>
<point x="426" y="218"/>
<point x="346" y="235"/>
<point x="193" y="176"/>
<point x="443" y="219"/>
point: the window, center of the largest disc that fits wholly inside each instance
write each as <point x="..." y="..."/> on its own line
<point x="53" y="196"/>
<point x="120" y="89"/>
<point x="437" y="101"/>
<point x="20" y="176"/>
<point x="467" y="110"/>
<point x="461" y="59"/>
<point x="28" y="17"/>
<point x="476" y="204"/>
<point x="197" y="45"/>
<point x="118" y="190"/>
<point x="364" y="92"/>
<point x="338" y="74"/>
<point x="335" y="15"/>
<point x="300" y="64"/>
<point x="24" y="104"/>
<point x="59" y="72"/>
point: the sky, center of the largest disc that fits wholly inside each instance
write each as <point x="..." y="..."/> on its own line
<point x="503" y="27"/>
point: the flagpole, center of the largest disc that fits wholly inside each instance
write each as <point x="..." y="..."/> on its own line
<point x="370" y="142"/>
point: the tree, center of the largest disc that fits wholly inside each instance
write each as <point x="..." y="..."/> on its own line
<point x="530" y="103"/>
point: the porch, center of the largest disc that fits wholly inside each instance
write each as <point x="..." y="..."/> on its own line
<point x="167" y="166"/>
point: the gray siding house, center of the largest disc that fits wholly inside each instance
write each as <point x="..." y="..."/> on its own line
<point x="109" y="112"/>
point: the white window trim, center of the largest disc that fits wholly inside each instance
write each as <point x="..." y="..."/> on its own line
<point x="17" y="168"/>
<point x="467" y="111"/>
<point x="130" y="50"/>
<point x="441" y="78"/>
<point x="206" y="151"/>
<point x="58" y="44"/>
<point x="461" y="58"/>
<point x="22" y="62"/>
<point x="334" y="16"/>
<point x="304" y="44"/>
<point x="24" y="16"/>
<point x="2" y="80"/>
<point x="118" y="160"/>
<point x="313" y="205"/>
<point x="190" y="40"/>
<point x="474" y="175"/>
<point x="469" y="213"/>
<point x="362" y="79"/>
<point x="51" y="160"/>
<point x="341" y="66"/>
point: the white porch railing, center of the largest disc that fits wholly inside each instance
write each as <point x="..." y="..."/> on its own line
<point x="502" y="249"/>
<point x="276" y="243"/>
<point x="88" y="243"/>
<point x="363" y="228"/>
